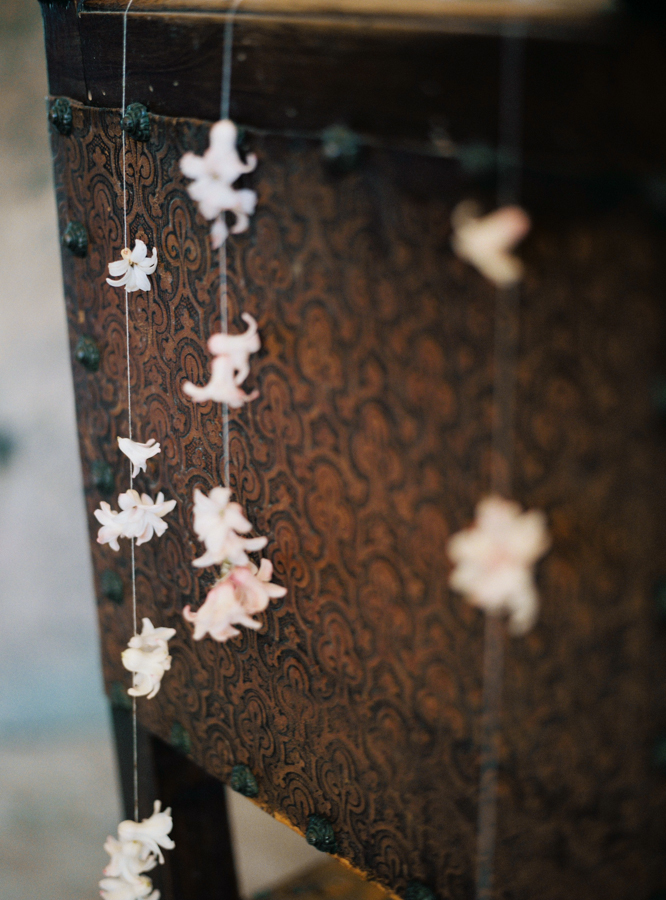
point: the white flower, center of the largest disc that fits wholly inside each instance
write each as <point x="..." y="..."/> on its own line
<point x="112" y="525"/>
<point x="128" y="859"/>
<point x="485" y="241"/>
<point x="136" y="851"/>
<point x="145" y="514"/>
<point x="233" y="600"/>
<point x="494" y="560"/>
<point x="219" y="524"/>
<point x="152" y="833"/>
<point x="133" y="269"/>
<point x="138" y="454"/>
<point x="140" y="518"/>
<point x="213" y="175"/>
<point x="230" y="367"/>
<point x="119" y="889"/>
<point x="148" y="658"/>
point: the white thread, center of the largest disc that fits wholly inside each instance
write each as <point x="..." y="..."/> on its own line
<point x="504" y="388"/>
<point x="135" y="753"/>
<point x="225" y="99"/>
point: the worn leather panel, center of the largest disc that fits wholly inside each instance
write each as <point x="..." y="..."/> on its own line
<point x="359" y="699"/>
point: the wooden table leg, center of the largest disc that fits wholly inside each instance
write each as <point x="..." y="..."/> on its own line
<point x="201" y="867"/>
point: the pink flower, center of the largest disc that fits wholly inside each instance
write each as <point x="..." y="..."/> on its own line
<point x="253" y="586"/>
<point x="230" y="367"/>
<point x="220" y="612"/>
<point x="494" y="561"/>
<point x="486" y="241"/>
<point x="213" y="175"/>
<point x="232" y="601"/>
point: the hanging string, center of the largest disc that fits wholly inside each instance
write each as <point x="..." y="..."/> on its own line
<point x="135" y="753"/>
<point x="225" y="99"/>
<point x="504" y="390"/>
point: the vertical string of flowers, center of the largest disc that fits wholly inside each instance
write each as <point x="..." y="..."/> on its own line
<point x="137" y="849"/>
<point x="242" y="589"/>
<point x="494" y="559"/>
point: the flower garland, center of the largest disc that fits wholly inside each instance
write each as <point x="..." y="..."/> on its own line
<point x="243" y="589"/>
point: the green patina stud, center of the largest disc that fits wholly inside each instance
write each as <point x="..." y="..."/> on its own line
<point x="75" y="239"/>
<point x="341" y="149"/>
<point x="180" y="739"/>
<point x="243" y="781"/>
<point x="660" y="601"/>
<point x="118" y="696"/>
<point x="320" y="834"/>
<point x="60" y="115"/>
<point x="417" y="890"/>
<point x="87" y="353"/>
<point x="112" y="586"/>
<point x="659" y="753"/>
<point x="659" y="396"/>
<point x="103" y="477"/>
<point x="136" y="122"/>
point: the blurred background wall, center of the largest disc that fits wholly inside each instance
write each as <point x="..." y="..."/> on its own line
<point x="58" y="789"/>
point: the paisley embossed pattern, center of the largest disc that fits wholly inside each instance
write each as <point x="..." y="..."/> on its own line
<point x="359" y="699"/>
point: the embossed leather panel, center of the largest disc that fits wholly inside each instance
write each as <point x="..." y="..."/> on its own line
<point x="359" y="698"/>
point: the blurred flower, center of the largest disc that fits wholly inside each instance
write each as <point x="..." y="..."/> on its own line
<point x="128" y="859"/>
<point x="219" y="524"/>
<point x="136" y="851"/>
<point x="232" y="601"/>
<point x="219" y="613"/>
<point x="147" y="657"/>
<point x="213" y="175"/>
<point x="253" y="586"/>
<point x="486" y="241"/>
<point x="152" y="833"/>
<point x="138" y="454"/>
<point x="230" y="367"/>
<point x="133" y="269"/>
<point x="494" y="560"/>
<point x="119" y="889"/>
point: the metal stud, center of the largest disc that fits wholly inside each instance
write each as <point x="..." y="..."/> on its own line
<point x="320" y="834"/>
<point x="103" y="477"/>
<point x="75" y="239"/>
<point x="136" y="122"/>
<point x="243" y="781"/>
<point x="112" y="586"/>
<point x="60" y="115"/>
<point x="87" y="353"/>
<point x="417" y="890"/>
<point x="180" y="739"/>
<point x="341" y="149"/>
<point x="659" y="397"/>
<point x="659" y="753"/>
<point x="660" y="601"/>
